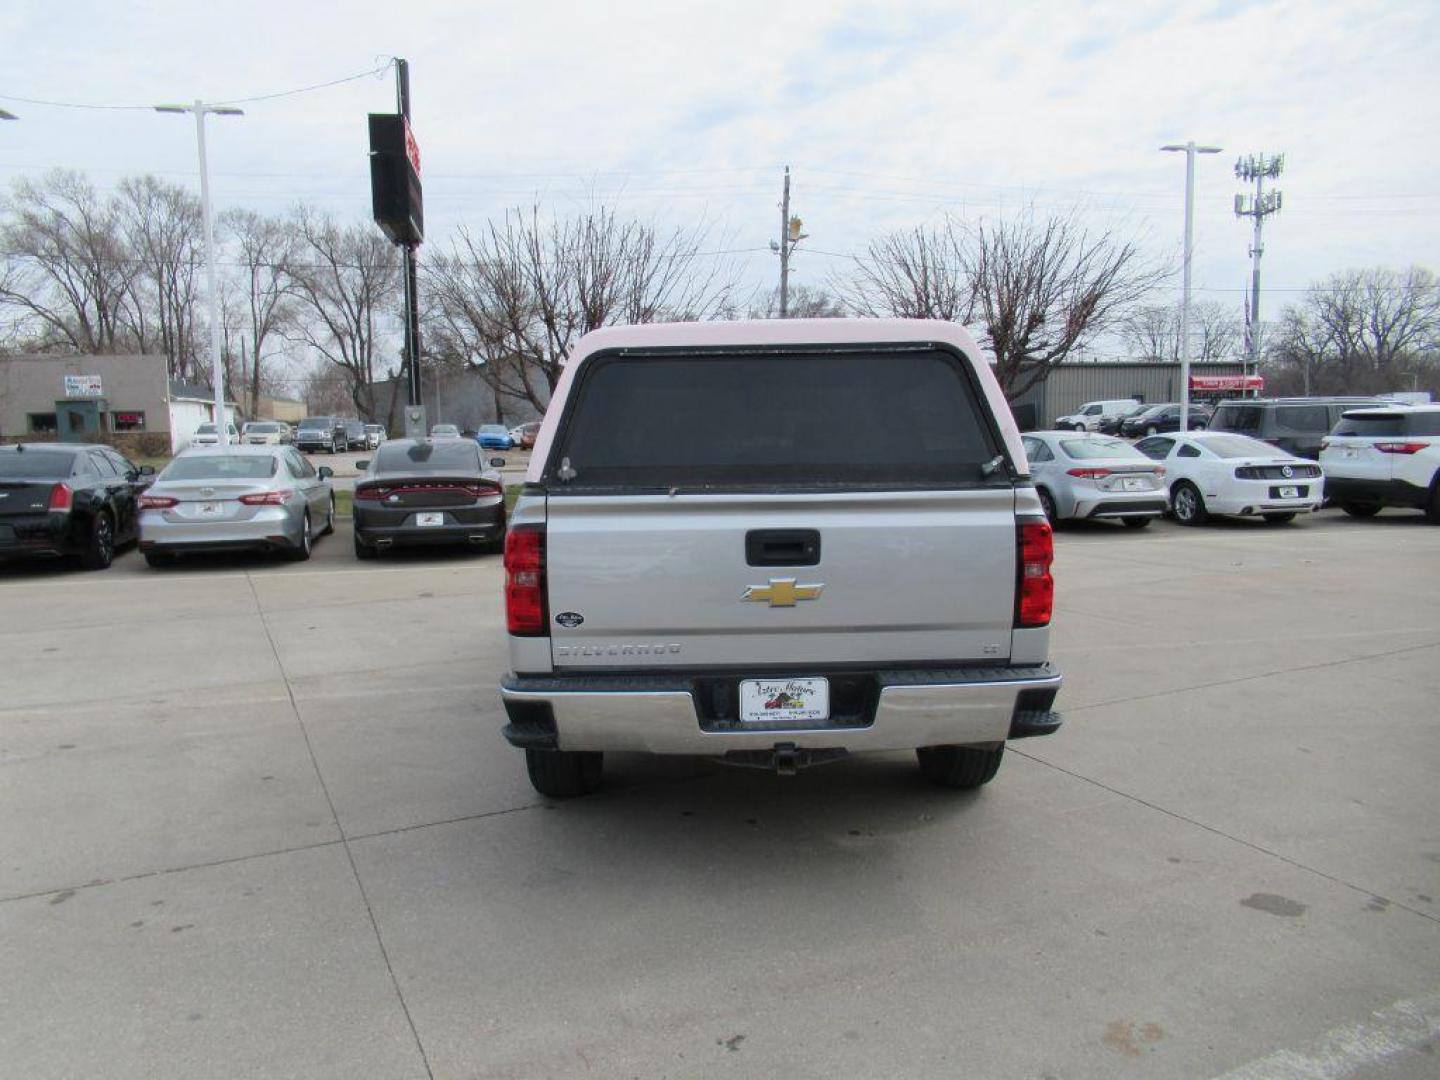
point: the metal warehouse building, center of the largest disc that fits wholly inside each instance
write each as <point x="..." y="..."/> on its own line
<point x="1071" y="385"/>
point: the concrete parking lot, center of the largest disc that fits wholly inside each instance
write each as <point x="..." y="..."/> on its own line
<point x="256" y="819"/>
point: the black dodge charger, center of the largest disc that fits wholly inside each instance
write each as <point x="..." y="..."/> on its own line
<point x="428" y="491"/>
<point x="59" y="499"/>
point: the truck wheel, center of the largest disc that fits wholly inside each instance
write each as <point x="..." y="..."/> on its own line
<point x="959" y="766"/>
<point x="563" y="774"/>
<point x="1360" y="509"/>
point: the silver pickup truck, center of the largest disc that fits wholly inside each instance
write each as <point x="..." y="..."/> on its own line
<point x="777" y="543"/>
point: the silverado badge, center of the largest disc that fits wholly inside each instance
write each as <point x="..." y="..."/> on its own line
<point x="782" y="592"/>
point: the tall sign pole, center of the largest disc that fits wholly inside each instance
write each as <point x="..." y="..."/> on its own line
<point x="399" y="209"/>
<point x="412" y="297"/>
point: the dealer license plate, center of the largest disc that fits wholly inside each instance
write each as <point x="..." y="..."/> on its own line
<point x="1134" y="483"/>
<point x="430" y="519"/>
<point x="1289" y="493"/>
<point x="781" y="700"/>
<point x="210" y="509"/>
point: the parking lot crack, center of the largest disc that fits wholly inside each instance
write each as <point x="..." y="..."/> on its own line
<point x="340" y="829"/>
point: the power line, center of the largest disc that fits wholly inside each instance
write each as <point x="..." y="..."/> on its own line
<point x="227" y="101"/>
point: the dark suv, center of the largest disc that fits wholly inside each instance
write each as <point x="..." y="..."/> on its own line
<point x="326" y="433"/>
<point x="1161" y="418"/>
<point x="1296" y="425"/>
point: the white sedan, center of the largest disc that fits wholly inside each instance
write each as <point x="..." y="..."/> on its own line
<point x="1214" y="472"/>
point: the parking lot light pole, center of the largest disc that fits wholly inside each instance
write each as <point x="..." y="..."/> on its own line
<point x="1190" y="150"/>
<point x="217" y="370"/>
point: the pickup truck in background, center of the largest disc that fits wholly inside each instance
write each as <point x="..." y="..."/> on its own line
<point x="723" y="548"/>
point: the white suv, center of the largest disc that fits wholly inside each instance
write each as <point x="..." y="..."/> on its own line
<point x="1385" y="457"/>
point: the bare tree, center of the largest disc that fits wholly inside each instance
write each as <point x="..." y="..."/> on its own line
<point x="67" y="270"/>
<point x="1361" y="331"/>
<point x="919" y="274"/>
<point x="804" y="302"/>
<point x="513" y="298"/>
<point x="1039" y="288"/>
<point x="161" y="226"/>
<point x="1043" y="288"/>
<point x="1152" y="332"/>
<point x="266" y="278"/>
<point x="346" y="279"/>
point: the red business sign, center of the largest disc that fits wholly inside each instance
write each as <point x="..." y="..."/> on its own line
<point x="1227" y="382"/>
<point x="412" y="148"/>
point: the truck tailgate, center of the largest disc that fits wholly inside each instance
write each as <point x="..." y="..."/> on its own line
<point x="655" y="580"/>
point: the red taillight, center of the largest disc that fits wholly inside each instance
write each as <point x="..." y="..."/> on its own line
<point x="156" y="502"/>
<point x="60" y="497"/>
<point x="266" y="498"/>
<point x="1400" y="447"/>
<point x="525" y="608"/>
<point x="370" y="494"/>
<point x="1089" y="474"/>
<point x="1035" y="588"/>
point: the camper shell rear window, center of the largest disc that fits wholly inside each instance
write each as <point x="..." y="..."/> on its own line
<point x="861" y="417"/>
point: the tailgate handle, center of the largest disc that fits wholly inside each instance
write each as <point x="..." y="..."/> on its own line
<point x="782" y="547"/>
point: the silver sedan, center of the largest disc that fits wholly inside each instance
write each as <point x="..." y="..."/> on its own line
<point x="1094" y="476"/>
<point x="265" y="498"/>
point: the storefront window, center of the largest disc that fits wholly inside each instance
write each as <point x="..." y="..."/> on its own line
<point x="127" y="421"/>
<point x="43" y="423"/>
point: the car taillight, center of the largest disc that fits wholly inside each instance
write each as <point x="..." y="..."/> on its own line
<point x="1089" y="474"/>
<point x="61" y="497"/>
<point x="1158" y="470"/>
<point x="1035" y="588"/>
<point x="525" y="607"/>
<point x="480" y="490"/>
<point x="156" y="502"/>
<point x="267" y="498"/>
<point x="1324" y="444"/>
<point x="370" y="494"/>
<point x="1400" y="447"/>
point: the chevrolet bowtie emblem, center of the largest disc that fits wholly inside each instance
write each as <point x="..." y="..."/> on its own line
<point x="782" y="592"/>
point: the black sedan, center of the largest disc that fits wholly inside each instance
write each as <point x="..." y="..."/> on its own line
<point x="428" y="491"/>
<point x="59" y="499"/>
<point x="1161" y="418"/>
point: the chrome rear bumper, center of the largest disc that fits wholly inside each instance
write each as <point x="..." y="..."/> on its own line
<point x="659" y="714"/>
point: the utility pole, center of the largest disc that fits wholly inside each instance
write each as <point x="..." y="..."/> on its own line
<point x="1190" y="150"/>
<point x="1258" y="206"/>
<point x="790" y="236"/>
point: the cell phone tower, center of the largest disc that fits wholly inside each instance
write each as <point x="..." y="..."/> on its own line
<point x="1262" y="204"/>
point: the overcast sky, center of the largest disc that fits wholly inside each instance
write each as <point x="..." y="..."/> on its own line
<point x="889" y="114"/>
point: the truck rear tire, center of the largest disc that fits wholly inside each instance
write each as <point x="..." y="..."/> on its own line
<point x="959" y="766"/>
<point x="564" y="774"/>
